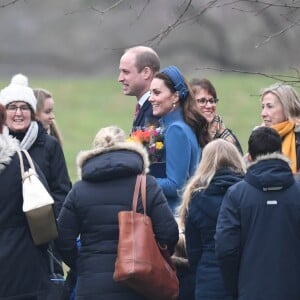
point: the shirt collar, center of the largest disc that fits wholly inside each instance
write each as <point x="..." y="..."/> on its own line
<point x="144" y="98"/>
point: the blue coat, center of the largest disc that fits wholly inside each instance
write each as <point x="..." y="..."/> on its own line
<point x="91" y="211"/>
<point x="24" y="270"/>
<point x="258" y="233"/>
<point x="182" y="155"/>
<point x="199" y="233"/>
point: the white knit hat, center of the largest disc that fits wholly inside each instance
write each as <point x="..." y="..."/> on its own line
<point x="18" y="90"/>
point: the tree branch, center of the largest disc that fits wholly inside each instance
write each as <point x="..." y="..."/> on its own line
<point x="288" y="79"/>
<point x="9" y="3"/>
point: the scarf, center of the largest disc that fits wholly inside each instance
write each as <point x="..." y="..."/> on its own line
<point x="287" y="134"/>
<point x="30" y="135"/>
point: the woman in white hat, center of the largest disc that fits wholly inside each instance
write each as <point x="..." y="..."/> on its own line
<point x="20" y="103"/>
<point x="24" y="271"/>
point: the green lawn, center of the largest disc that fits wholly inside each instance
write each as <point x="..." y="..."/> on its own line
<point x="83" y="106"/>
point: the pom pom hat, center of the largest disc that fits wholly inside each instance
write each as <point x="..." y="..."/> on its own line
<point x="18" y="90"/>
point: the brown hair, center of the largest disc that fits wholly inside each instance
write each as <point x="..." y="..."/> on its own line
<point x="41" y="95"/>
<point x="204" y="84"/>
<point x="2" y="117"/>
<point x="145" y="57"/>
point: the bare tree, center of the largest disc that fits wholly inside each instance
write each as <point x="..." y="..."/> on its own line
<point x="279" y="18"/>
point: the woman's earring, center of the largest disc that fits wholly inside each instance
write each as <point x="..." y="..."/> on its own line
<point x="174" y="105"/>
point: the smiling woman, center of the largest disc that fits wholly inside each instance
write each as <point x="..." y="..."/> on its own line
<point x="206" y="99"/>
<point x="281" y="111"/>
<point x="185" y="130"/>
<point x="20" y="103"/>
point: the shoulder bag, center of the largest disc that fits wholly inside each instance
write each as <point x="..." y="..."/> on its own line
<point x="142" y="264"/>
<point x="37" y="204"/>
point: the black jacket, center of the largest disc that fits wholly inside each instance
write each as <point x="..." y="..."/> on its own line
<point x="91" y="211"/>
<point x="49" y="156"/>
<point x="258" y="233"/>
<point x="24" y="270"/>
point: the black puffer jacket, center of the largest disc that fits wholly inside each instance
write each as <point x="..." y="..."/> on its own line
<point x="91" y="209"/>
<point x="24" y="269"/>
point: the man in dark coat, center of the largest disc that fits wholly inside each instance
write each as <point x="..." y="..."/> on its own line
<point x="137" y="68"/>
<point x="258" y="234"/>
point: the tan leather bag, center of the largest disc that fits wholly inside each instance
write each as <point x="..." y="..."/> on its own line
<point x="141" y="264"/>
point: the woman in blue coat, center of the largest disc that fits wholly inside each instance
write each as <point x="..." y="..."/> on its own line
<point x="108" y="174"/>
<point x="24" y="271"/>
<point x="185" y="131"/>
<point x="221" y="166"/>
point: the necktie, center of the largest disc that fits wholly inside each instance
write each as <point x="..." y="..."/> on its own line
<point x="137" y="110"/>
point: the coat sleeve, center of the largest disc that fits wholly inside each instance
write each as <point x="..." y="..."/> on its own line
<point x="227" y="242"/>
<point x="164" y="224"/>
<point x="59" y="181"/>
<point x="193" y="235"/>
<point x="68" y="230"/>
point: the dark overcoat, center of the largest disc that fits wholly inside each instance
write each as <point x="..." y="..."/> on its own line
<point x="258" y="233"/>
<point x="24" y="268"/>
<point x="91" y="211"/>
<point x="199" y="233"/>
<point x="48" y="154"/>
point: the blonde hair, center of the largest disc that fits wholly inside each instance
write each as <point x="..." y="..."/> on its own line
<point x="108" y="137"/>
<point x="216" y="154"/>
<point x="288" y="98"/>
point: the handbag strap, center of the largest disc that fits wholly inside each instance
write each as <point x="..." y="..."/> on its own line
<point x="140" y="184"/>
<point x="31" y="164"/>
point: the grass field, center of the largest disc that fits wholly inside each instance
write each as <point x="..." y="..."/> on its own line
<point x="83" y="106"/>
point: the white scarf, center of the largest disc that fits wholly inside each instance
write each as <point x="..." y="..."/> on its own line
<point x="30" y="136"/>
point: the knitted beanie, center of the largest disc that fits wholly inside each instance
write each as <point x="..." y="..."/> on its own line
<point x="18" y="90"/>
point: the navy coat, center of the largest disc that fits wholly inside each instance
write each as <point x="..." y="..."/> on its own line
<point x="199" y="233"/>
<point x="91" y="209"/>
<point x="24" y="270"/>
<point x="258" y="233"/>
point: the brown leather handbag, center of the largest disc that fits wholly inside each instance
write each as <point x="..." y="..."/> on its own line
<point x="141" y="263"/>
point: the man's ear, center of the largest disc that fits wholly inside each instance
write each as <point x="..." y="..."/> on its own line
<point x="147" y="73"/>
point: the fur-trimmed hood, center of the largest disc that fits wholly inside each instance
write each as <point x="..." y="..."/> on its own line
<point x="8" y="147"/>
<point x="268" y="156"/>
<point x="137" y="148"/>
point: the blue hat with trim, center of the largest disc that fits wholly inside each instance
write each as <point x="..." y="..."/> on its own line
<point x="177" y="78"/>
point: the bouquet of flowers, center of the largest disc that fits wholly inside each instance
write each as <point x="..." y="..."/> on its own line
<point x="152" y="139"/>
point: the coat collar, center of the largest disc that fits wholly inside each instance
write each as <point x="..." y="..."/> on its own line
<point x="267" y="157"/>
<point x="83" y="156"/>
